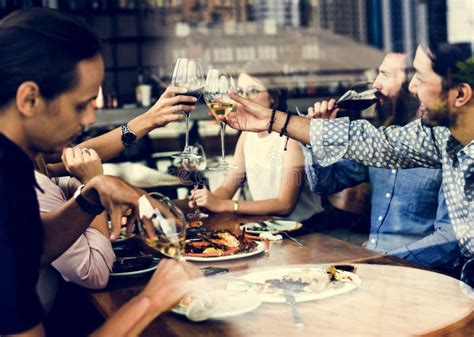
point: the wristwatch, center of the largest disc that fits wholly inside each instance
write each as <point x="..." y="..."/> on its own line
<point x="85" y="205"/>
<point x="129" y="138"/>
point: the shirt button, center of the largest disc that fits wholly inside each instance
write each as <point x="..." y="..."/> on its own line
<point x="394" y="171"/>
<point x="380" y="218"/>
<point x="388" y="195"/>
<point x="373" y="241"/>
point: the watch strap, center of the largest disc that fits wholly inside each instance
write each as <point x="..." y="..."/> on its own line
<point x="85" y="205"/>
<point x="126" y="131"/>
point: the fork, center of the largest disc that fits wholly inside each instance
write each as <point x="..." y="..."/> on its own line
<point x="299" y="243"/>
<point x="291" y="301"/>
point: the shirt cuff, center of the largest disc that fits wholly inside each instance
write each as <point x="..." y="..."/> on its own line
<point x="329" y="139"/>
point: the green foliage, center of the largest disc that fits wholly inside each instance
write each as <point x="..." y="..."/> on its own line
<point x="465" y="71"/>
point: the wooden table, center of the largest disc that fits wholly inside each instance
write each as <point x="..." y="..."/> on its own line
<point x="394" y="299"/>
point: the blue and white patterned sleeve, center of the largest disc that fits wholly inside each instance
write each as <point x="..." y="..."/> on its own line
<point x="413" y="145"/>
<point x="333" y="178"/>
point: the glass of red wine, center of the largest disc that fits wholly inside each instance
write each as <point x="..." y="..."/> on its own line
<point x="188" y="74"/>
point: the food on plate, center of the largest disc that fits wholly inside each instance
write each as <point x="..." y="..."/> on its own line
<point x="299" y="280"/>
<point x="132" y="263"/>
<point x="217" y="243"/>
<point x="195" y="223"/>
<point x="337" y="273"/>
<point x="258" y="226"/>
<point x="131" y="257"/>
<point x="215" y="304"/>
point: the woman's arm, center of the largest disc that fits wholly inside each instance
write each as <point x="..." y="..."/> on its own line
<point x="220" y="199"/>
<point x="161" y="113"/>
<point x="283" y="204"/>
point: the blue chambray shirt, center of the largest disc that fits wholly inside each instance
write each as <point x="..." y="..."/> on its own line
<point x="418" y="230"/>
<point x="413" y="145"/>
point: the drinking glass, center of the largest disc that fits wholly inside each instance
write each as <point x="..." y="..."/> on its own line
<point x="188" y="74"/>
<point x="196" y="165"/>
<point x="216" y="95"/>
<point x="166" y="221"/>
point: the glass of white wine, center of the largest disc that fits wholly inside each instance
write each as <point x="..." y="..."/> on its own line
<point x="216" y="94"/>
<point x="188" y="74"/>
<point x="160" y="216"/>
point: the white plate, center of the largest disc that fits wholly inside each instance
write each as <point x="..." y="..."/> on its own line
<point x="273" y="226"/>
<point x="225" y="304"/>
<point x="260" y="248"/>
<point x="154" y="265"/>
<point x="333" y="289"/>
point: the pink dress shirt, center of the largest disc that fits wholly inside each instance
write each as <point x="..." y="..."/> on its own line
<point x="89" y="260"/>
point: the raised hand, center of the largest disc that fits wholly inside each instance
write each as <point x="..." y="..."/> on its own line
<point x="250" y="116"/>
<point x="324" y="109"/>
<point x="81" y="163"/>
<point x="166" y="109"/>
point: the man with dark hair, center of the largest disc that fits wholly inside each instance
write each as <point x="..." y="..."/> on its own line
<point x="419" y="231"/>
<point x="51" y="70"/>
<point x="443" y="138"/>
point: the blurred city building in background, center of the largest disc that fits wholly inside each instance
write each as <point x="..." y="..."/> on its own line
<point x="322" y="45"/>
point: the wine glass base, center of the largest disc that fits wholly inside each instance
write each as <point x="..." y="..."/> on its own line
<point x="222" y="167"/>
<point x="197" y="216"/>
<point x="185" y="155"/>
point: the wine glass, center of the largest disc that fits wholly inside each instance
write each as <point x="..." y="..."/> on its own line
<point x="467" y="277"/>
<point x="216" y="87"/>
<point x="164" y="224"/>
<point x="188" y="74"/>
<point x="196" y="165"/>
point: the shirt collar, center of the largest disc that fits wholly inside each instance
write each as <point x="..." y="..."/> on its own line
<point x="453" y="147"/>
<point x="469" y="149"/>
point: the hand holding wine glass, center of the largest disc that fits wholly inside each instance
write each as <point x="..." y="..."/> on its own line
<point x="166" y="223"/>
<point x="216" y="94"/>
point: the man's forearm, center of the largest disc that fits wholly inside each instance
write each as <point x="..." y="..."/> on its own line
<point x="439" y="249"/>
<point x="298" y="127"/>
<point x="61" y="229"/>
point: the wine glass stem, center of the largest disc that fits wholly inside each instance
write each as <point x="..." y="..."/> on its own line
<point x="222" y="142"/>
<point x="186" y="141"/>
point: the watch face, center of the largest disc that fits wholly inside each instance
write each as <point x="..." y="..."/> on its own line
<point x="129" y="138"/>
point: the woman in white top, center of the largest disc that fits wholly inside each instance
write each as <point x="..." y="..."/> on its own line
<point x="275" y="177"/>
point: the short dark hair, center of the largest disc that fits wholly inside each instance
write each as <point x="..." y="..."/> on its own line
<point x="43" y="46"/>
<point x="266" y="71"/>
<point x="454" y="62"/>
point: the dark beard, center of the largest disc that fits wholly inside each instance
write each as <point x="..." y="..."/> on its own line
<point x="399" y="110"/>
<point x="439" y="117"/>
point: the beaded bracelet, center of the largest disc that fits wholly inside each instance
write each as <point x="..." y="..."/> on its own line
<point x="284" y="131"/>
<point x="272" y="120"/>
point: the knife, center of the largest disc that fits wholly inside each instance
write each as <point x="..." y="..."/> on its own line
<point x="291" y="301"/>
